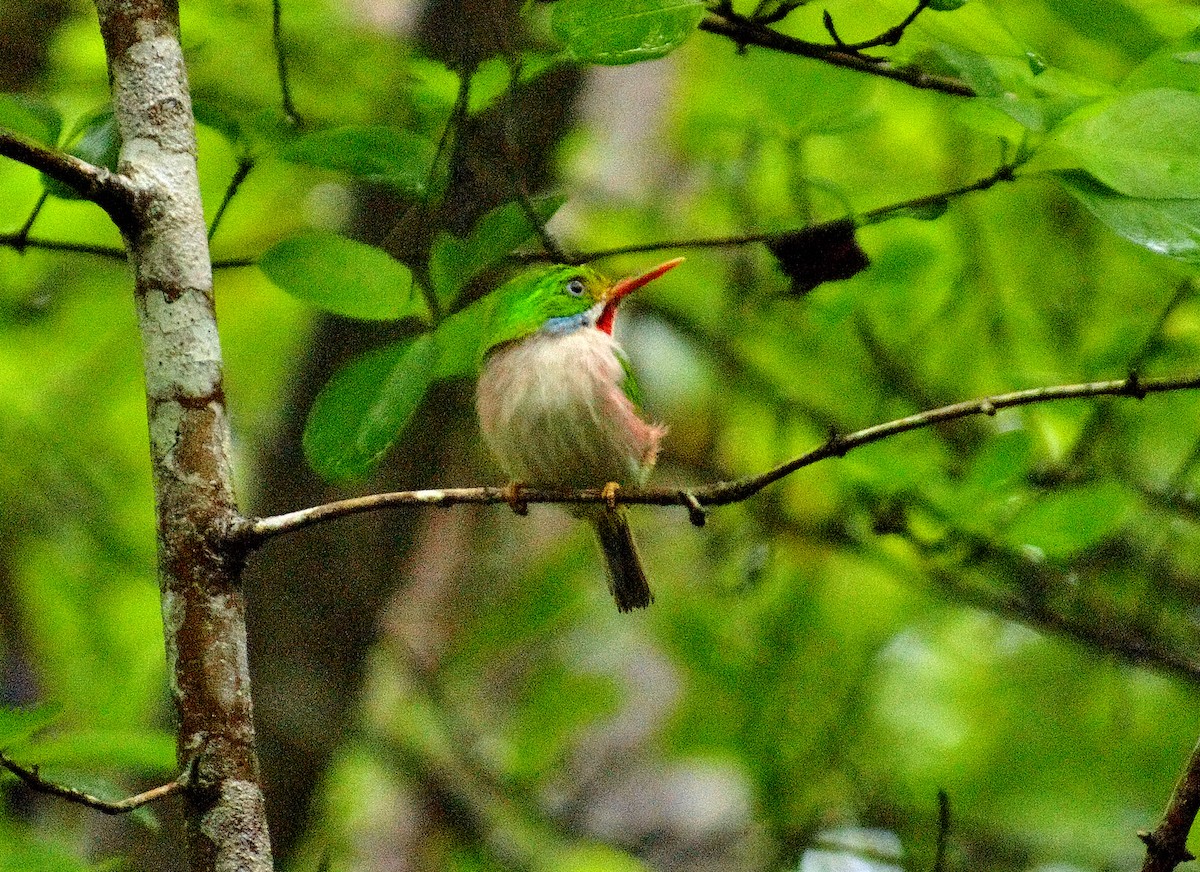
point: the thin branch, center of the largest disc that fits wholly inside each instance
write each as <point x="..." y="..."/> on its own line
<point x="15" y="241"/>
<point x="939" y="856"/>
<point x="289" y="107"/>
<point x="234" y="263"/>
<point x="508" y="144"/>
<point x="889" y="37"/>
<point x="111" y="192"/>
<point x="778" y="14"/>
<point x="22" y="235"/>
<point x="743" y="32"/>
<point x="1127" y="645"/>
<point x="1006" y="172"/>
<point x="245" y="165"/>
<point x="1099" y="418"/>
<point x="254" y="532"/>
<point x="1166" y="845"/>
<point x="35" y="781"/>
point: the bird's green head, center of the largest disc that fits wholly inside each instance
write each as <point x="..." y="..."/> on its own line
<point x="560" y="298"/>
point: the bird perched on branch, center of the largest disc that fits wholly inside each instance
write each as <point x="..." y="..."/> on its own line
<point x="558" y="404"/>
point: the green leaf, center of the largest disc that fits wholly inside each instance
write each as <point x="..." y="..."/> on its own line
<point x="212" y="114"/>
<point x="386" y="155"/>
<point x="459" y="340"/>
<point x="602" y="32"/>
<point x="454" y="262"/>
<point x="1001" y="465"/>
<point x="1174" y="66"/>
<point x="143" y="750"/>
<point x="17" y="725"/>
<point x="1170" y="227"/>
<point x="30" y="117"/>
<point x="1141" y="144"/>
<point x="97" y="141"/>
<point x="22" y="851"/>
<point x="1062" y="522"/>
<point x="342" y="276"/>
<point x="364" y="407"/>
<point x="946" y="5"/>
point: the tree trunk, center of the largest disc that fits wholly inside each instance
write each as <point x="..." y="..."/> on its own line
<point x="199" y="565"/>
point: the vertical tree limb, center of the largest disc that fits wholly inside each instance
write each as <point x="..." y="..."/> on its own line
<point x="199" y="571"/>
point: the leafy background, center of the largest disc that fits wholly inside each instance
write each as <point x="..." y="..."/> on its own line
<point x="1002" y="609"/>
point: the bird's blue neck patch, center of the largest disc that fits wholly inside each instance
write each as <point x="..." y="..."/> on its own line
<point x="566" y="323"/>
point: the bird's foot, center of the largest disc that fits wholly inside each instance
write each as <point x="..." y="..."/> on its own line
<point x="512" y="496"/>
<point x="609" y="492"/>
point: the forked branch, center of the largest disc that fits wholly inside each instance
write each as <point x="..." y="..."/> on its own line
<point x="743" y="31"/>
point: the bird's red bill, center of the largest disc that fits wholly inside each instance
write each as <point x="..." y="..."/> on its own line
<point x="625" y="286"/>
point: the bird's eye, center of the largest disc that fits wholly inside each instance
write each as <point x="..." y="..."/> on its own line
<point x="575" y="287"/>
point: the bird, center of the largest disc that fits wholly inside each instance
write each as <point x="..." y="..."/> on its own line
<point x="559" y="407"/>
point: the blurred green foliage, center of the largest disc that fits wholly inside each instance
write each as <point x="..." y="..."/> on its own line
<point x="1005" y="609"/>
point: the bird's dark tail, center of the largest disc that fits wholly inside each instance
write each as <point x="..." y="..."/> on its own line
<point x="626" y="578"/>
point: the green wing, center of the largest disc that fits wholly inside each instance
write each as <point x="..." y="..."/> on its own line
<point x="630" y="385"/>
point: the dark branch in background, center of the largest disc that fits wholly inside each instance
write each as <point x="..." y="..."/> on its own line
<point x="744" y="31"/>
<point x="255" y="532"/>
<point x="508" y="144"/>
<point x="761" y="16"/>
<point x="1166" y="845"/>
<point x="285" y="89"/>
<point x="1099" y="418"/>
<point x="245" y="165"/>
<point x="889" y="37"/>
<point x="22" y="236"/>
<point x="106" y="189"/>
<point x="401" y="226"/>
<point x="1006" y="172"/>
<point x="1128" y="645"/>
<point x="939" y="856"/>
<point x="35" y="781"/>
<point x="1179" y="478"/>
<point x="234" y="262"/>
<point x="22" y="243"/>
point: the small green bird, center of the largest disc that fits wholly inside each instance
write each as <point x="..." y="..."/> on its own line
<point x="558" y="404"/>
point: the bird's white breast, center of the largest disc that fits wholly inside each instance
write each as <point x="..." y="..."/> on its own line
<point x="553" y="411"/>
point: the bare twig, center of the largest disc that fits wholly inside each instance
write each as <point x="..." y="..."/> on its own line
<point x="234" y="262"/>
<point x="35" y="781"/>
<point x="760" y="15"/>
<point x="939" y="856"/>
<point x="285" y="88"/>
<point x="245" y="165"/>
<point x="111" y="192"/>
<point x="16" y="241"/>
<point x="22" y="235"/>
<point x="1006" y="172"/>
<point x="743" y="32"/>
<point x="1124" y="644"/>
<point x="889" y="37"/>
<point x="1099" y="418"/>
<point x="1166" y="845"/>
<point x="256" y="531"/>
<point x="508" y="144"/>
